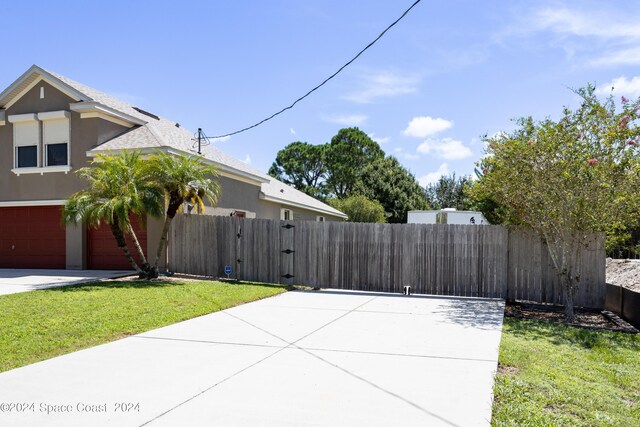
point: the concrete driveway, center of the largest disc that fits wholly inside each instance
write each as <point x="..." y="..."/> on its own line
<point x="326" y="358"/>
<point x="13" y="281"/>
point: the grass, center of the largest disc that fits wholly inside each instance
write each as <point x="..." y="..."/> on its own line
<point x="42" y="324"/>
<point x="557" y="375"/>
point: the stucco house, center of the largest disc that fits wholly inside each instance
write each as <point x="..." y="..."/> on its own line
<point x="50" y="126"/>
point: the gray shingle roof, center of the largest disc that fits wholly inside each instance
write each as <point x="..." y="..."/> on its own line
<point x="163" y="133"/>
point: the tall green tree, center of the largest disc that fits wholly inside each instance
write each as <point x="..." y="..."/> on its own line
<point x="347" y="153"/>
<point x="118" y="187"/>
<point x="302" y="166"/>
<point x="184" y="179"/>
<point x="450" y="192"/>
<point x="569" y="178"/>
<point x="360" y="209"/>
<point x="397" y="190"/>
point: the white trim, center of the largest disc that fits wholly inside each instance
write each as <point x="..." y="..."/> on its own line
<point x="107" y="118"/>
<point x="301" y="205"/>
<point x="17" y="118"/>
<point x="41" y="170"/>
<point x="16" y="203"/>
<point x="76" y="96"/>
<point x="223" y="170"/>
<point x="90" y="110"/>
<point x="54" y="115"/>
<point x="3" y="118"/>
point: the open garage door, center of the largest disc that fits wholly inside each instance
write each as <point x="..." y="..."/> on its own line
<point x="32" y="237"/>
<point x="103" y="252"/>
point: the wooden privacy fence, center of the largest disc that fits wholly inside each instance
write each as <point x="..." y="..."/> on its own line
<point x="441" y="259"/>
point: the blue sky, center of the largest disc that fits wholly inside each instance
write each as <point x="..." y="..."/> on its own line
<point x="447" y="74"/>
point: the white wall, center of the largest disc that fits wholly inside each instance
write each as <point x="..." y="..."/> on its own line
<point x="464" y="218"/>
<point x="422" y="217"/>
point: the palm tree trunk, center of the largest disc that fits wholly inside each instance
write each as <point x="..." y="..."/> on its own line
<point x="145" y="267"/>
<point x="174" y="204"/>
<point x="163" y="240"/>
<point x="122" y="244"/>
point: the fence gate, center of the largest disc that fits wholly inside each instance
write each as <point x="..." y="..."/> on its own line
<point x="287" y="253"/>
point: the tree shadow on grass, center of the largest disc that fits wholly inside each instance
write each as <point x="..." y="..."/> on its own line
<point x="124" y="284"/>
<point x="145" y="284"/>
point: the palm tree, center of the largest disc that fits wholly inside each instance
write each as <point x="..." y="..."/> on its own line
<point x="118" y="186"/>
<point x="185" y="179"/>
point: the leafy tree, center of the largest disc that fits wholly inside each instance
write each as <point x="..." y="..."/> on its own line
<point x="359" y="208"/>
<point x="184" y="179"/>
<point x="119" y="186"/>
<point x="388" y="182"/>
<point x="302" y="166"/>
<point x="450" y="192"/>
<point x="348" y="152"/>
<point x="569" y="178"/>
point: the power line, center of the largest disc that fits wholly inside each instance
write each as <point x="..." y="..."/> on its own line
<point x="323" y="82"/>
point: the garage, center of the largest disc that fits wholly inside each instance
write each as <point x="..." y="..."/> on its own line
<point x="103" y="252"/>
<point x="32" y="237"/>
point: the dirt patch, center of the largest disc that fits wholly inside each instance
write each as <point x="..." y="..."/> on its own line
<point x="624" y="272"/>
<point x="582" y="318"/>
<point x="507" y="370"/>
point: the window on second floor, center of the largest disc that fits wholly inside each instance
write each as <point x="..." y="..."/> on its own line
<point x="41" y="142"/>
<point x="26" y="142"/>
<point x="55" y="135"/>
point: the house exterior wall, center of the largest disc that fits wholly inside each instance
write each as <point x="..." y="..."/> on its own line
<point x="241" y="196"/>
<point x="34" y="189"/>
<point x="238" y="196"/>
<point x="85" y="134"/>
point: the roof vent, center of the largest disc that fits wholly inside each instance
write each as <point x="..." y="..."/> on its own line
<point x="177" y="125"/>
<point x="146" y="113"/>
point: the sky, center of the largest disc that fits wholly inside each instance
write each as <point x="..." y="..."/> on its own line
<point x="446" y="75"/>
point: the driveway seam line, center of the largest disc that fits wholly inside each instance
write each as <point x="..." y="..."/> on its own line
<point x="209" y="342"/>
<point x="380" y="388"/>
<point x="374" y="353"/>
<point x="253" y="364"/>
<point x="211" y="387"/>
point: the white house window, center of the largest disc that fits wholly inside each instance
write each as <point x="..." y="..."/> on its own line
<point x="320" y="218"/>
<point x="26" y="140"/>
<point x="286" y="214"/>
<point x="33" y="155"/>
<point x="55" y="133"/>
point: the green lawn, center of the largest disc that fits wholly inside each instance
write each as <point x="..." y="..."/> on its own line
<point x="557" y="375"/>
<point x="42" y="324"/>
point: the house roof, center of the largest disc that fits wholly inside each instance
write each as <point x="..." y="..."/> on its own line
<point x="155" y="132"/>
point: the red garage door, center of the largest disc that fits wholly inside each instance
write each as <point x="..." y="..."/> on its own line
<point x="103" y="252"/>
<point x="32" y="237"/>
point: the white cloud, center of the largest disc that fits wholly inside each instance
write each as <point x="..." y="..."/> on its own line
<point x="629" y="56"/>
<point x="621" y="86"/>
<point x="383" y="85"/>
<point x="292" y="130"/>
<point x="346" y="120"/>
<point x="399" y="152"/>
<point x="597" y="24"/>
<point x="379" y="140"/>
<point x="223" y="139"/>
<point x="424" y="126"/>
<point x="599" y="36"/>
<point x="247" y="159"/>
<point x="433" y="177"/>
<point x="445" y="148"/>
